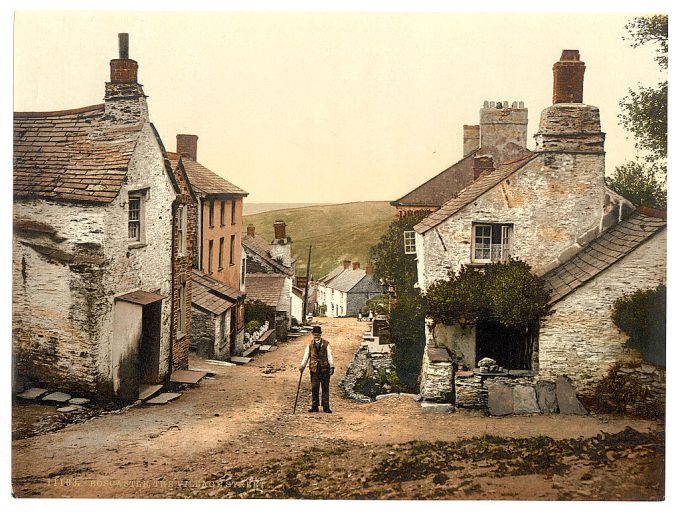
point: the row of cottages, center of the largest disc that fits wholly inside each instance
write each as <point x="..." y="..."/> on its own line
<point x="270" y="276"/>
<point x="218" y="301"/>
<point x="102" y="246"/>
<point x="345" y="290"/>
<point x="551" y="208"/>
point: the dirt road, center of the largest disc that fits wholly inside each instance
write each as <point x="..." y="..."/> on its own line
<point x="236" y="436"/>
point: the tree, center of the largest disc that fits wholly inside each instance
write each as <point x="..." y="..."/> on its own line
<point x="644" y="113"/>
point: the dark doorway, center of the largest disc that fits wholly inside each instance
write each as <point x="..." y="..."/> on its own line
<point x="150" y="345"/>
<point x="511" y="348"/>
<point x="232" y="331"/>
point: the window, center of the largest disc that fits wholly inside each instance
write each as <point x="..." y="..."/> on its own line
<point x="410" y="242"/>
<point x="181" y="230"/>
<point x="220" y="256"/>
<point x="181" y="321"/>
<point x="135" y="217"/>
<point x="243" y="272"/>
<point x="233" y="212"/>
<point x="210" y="256"/>
<point x="492" y="242"/>
<point x="231" y="249"/>
<point x="222" y="213"/>
<point x="211" y="214"/>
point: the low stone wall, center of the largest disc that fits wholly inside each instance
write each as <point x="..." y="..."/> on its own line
<point x="364" y="363"/>
<point x="652" y="378"/>
<point x="436" y="380"/>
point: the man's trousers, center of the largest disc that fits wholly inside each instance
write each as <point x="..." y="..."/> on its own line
<point x="322" y="379"/>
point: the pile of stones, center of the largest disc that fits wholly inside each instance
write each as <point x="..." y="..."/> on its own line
<point x="66" y="403"/>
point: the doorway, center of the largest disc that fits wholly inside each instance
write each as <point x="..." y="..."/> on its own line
<point x="511" y="348"/>
<point x="150" y="344"/>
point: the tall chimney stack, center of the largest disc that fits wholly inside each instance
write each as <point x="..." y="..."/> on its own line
<point x="369" y="269"/>
<point x="470" y="138"/>
<point x="187" y="145"/>
<point x="568" y="78"/>
<point x="251" y="230"/>
<point x="356" y="265"/>
<point x="346" y="263"/>
<point x="279" y="230"/>
<point x="123" y="69"/>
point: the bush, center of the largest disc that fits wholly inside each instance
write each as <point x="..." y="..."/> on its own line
<point x="407" y="330"/>
<point x="642" y="316"/>
<point x="259" y="311"/>
<point x="459" y="299"/>
<point x="253" y="326"/>
<point x="376" y="304"/>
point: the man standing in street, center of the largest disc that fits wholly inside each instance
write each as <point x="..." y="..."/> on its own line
<point x="320" y="357"/>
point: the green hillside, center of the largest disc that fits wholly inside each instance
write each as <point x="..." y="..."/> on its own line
<point x="335" y="232"/>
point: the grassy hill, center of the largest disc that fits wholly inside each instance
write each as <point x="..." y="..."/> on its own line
<point x="336" y="232"/>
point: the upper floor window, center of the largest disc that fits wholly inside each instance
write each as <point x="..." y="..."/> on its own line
<point x="211" y="245"/>
<point x="181" y="230"/>
<point x="211" y="214"/>
<point x="220" y="256"/>
<point x="233" y="212"/>
<point x="222" y="213"/>
<point x="136" y="213"/>
<point x="232" y="248"/>
<point x="410" y="242"/>
<point x="492" y="242"/>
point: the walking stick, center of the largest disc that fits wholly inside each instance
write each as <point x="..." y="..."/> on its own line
<point x="297" y="393"/>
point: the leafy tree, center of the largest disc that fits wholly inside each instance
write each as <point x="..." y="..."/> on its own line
<point x="642" y="316"/>
<point x="390" y="263"/>
<point x="407" y="326"/>
<point x="459" y="299"/>
<point x="377" y="304"/>
<point x="639" y="182"/>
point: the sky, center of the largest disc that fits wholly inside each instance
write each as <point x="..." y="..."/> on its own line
<point x="327" y="107"/>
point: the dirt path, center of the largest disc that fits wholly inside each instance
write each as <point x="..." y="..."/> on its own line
<point x="240" y="425"/>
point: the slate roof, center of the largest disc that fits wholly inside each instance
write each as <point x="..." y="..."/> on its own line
<point x="206" y="299"/>
<point x="601" y="253"/>
<point x="216" y="286"/>
<point x="473" y="191"/>
<point x="346" y="279"/>
<point x="442" y="187"/>
<point x="325" y="279"/>
<point x="260" y="247"/>
<point x="71" y="155"/>
<point x="265" y="287"/>
<point x="205" y="181"/>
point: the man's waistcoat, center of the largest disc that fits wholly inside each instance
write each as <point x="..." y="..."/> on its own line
<point x="318" y="360"/>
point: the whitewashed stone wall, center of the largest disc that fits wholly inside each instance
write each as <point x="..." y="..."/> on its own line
<point x="580" y="338"/>
<point x="63" y="303"/>
<point x="461" y="343"/>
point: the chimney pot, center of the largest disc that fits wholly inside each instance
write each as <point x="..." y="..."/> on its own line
<point x="251" y="230"/>
<point x="279" y="230"/>
<point x="187" y="145"/>
<point x="123" y="46"/>
<point x="356" y="265"/>
<point x="346" y="263"/>
<point x="568" y="78"/>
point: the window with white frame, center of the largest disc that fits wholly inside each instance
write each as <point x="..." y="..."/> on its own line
<point x="181" y="321"/>
<point x="492" y="242"/>
<point x="135" y="217"/>
<point x="410" y="242"/>
<point x="182" y="230"/>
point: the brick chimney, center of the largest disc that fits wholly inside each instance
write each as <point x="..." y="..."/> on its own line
<point x="187" y="146"/>
<point x="470" y="138"/>
<point x="279" y="230"/>
<point x="503" y="129"/>
<point x="369" y="269"/>
<point x="356" y="265"/>
<point x="346" y="263"/>
<point x="251" y="230"/>
<point x="124" y="98"/>
<point x="568" y="78"/>
<point x="482" y="163"/>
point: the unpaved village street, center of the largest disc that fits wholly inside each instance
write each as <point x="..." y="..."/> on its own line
<point x="236" y="436"/>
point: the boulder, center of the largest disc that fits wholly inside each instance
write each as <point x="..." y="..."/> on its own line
<point x="567" y="401"/>
<point x="547" y="397"/>
<point x="524" y="400"/>
<point x="500" y="400"/>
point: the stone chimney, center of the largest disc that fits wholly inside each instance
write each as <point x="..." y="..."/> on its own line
<point x="124" y="98"/>
<point x="569" y="126"/>
<point x="568" y="78"/>
<point x="346" y="263"/>
<point x="279" y="230"/>
<point x="481" y="164"/>
<point x="187" y="146"/>
<point x="356" y="265"/>
<point x="251" y="230"/>
<point x="470" y="138"/>
<point x="503" y="130"/>
<point x="369" y="269"/>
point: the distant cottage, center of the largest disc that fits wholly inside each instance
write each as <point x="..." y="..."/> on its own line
<point x="346" y="289"/>
<point x="551" y="208"/>
<point x="102" y="246"/>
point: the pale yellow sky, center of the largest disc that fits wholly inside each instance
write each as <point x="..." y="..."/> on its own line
<point x="327" y="107"/>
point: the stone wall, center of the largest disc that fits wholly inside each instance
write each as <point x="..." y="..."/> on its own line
<point x="580" y="338"/>
<point x="436" y="379"/>
<point x="364" y="363"/>
<point x="202" y="333"/>
<point x="651" y="377"/>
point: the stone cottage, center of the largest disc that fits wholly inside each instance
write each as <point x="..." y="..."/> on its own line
<point x="346" y="289"/>
<point x="270" y="274"/>
<point x="218" y="255"/>
<point x="102" y="246"/>
<point x="551" y="208"/>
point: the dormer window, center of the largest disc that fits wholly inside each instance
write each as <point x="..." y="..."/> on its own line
<point x="492" y="242"/>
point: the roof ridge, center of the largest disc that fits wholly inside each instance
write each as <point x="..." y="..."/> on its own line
<point x="50" y="113"/>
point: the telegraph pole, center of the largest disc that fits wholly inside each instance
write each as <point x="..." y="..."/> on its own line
<point x="304" y="305"/>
